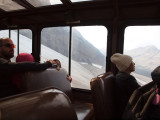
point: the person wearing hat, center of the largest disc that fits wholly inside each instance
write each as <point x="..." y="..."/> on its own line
<point x="26" y="57"/>
<point x="125" y="83"/>
<point x="144" y="103"/>
<point x="8" y="68"/>
<point x="153" y="112"/>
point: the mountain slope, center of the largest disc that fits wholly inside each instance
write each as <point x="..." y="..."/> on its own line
<point x="57" y="38"/>
<point x="147" y="57"/>
<point x="146" y="60"/>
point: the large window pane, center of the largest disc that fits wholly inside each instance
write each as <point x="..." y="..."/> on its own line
<point x="84" y="0"/>
<point x="25" y="41"/>
<point x="14" y="38"/>
<point x="55" y="44"/>
<point x="39" y="3"/>
<point x="142" y="43"/>
<point x="10" y="5"/>
<point x="88" y="54"/>
<point x="4" y="33"/>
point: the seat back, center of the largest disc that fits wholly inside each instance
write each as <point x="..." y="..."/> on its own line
<point x="103" y="93"/>
<point x="34" y="80"/>
<point x="47" y="104"/>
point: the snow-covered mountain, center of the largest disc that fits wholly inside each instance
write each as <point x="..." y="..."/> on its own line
<point x="81" y="72"/>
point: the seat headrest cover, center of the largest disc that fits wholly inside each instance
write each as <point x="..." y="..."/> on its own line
<point x="48" y="104"/>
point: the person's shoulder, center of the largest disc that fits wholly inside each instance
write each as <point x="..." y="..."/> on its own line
<point x="2" y="61"/>
<point x="125" y="77"/>
<point x="122" y="75"/>
<point x="132" y="77"/>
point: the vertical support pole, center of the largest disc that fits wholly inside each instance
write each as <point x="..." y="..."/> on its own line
<point x="36" y="43"/>
<point x="70" y="45"/>
<point x="9" y="33"/>
<point x="115" y="30"/>
<point x="18" y="42"/>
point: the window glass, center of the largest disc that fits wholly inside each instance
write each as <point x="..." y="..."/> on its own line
<point x="10" y="5"/>
<point x="88" y="54"/>
<point x="25" y="41"/>
<point x="55" y="44"/>
<point x="84" y="0"/>
<point x="14" y="38"/>
<point x="39" y="3"/>
<point x="142" y="43"/>
<point x="4" y="33"/>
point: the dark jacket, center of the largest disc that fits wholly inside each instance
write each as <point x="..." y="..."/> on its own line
<point x="140" y="105"/>
<point x="7" y="69"/>
<point x="6" y="65"/>
<point x="125" y="85"/>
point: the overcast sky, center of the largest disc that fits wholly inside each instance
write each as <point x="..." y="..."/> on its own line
<point x="135" y="36"/>
<point x="140" y="36"/>
<point x="97" y="35"/>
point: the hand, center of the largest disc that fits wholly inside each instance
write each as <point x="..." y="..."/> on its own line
<point x="58" y="64"/>
<point x="52" y="62"/>
<point x="69" y="78"/>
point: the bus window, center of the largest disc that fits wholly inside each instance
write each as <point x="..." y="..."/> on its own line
<point x="25" y="40"/>
<point x="14" y="38"/>
<point x="55" y="44"/>
<point x="88" y="54"/>
<point x="142" y="43"/>
<point x="4" y="33"/>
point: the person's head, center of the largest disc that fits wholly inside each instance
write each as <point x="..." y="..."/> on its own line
<point x="24" y="57"/>
<point x="6" y="48"/>
<point x="156" y="75"/>
<point x="124" y="63"/>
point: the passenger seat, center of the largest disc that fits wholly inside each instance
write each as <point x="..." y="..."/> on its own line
<point x="46" y="104"/>
<point x="35" y="80"/>
<point x="103" y="94"/>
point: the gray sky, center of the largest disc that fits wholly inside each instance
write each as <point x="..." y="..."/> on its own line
<point x="96" y="35"/>
<point x="140" y="36"/>
<point x="135" y="36"/>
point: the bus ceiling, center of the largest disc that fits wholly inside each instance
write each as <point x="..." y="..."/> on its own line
<point x="25" y="12"/>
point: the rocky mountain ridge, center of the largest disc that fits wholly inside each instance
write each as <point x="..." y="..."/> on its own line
<point x="146" y="59"/>
<point x="57" y="38"/>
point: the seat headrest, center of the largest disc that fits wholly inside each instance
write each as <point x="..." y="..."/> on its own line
<point x="38" y="105"/>
<point x="35" y="80"/>
<point x="103" y="95"/>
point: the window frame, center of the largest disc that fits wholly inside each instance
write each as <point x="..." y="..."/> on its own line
<point x="108" y="40"/>
<point x="19" y="28"/>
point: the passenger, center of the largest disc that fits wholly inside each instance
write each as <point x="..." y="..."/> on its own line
<point x="69" y="78"/>
<point x="144" y="104"/>
<point x="26" y="57"/>
<point x="125" y="83"/>
<point x="22" y="57"/>
<point x="156" y="76"/>
<point x="154" y="109"/>
<point x="7" y="68"/>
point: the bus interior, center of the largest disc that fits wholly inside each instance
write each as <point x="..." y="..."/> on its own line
<point x="83" y="35"/>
